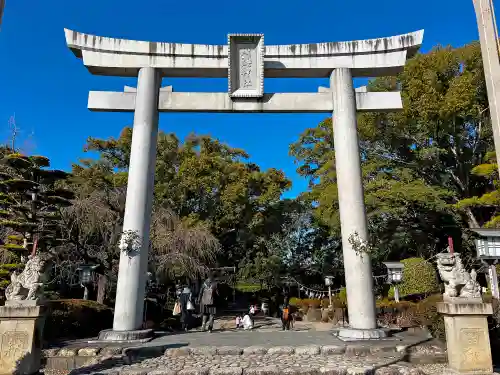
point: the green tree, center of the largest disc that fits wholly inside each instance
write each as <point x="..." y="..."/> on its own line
<point x="416" y="163"/>
<point x="203" y="180"/>
<point x="30" y="203"/>
<point x="93" y="228"/>
<point x="266" y="268"/>
<point x="487" y="205"/>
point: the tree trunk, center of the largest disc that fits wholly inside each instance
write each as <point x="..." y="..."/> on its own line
<point x="471" y="219"/>
<point x="102" y="283"/>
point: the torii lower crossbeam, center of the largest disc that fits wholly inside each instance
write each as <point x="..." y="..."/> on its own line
<point x="169" y="101"/>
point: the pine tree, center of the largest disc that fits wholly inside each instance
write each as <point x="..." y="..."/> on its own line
<point x="30" y="203"/>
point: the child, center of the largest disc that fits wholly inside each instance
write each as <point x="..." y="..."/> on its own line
<point x="239" y="322"/>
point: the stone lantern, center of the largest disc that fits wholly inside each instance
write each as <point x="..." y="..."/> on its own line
<point x="86" y="273"/>
<point x="394" y="276"/>
<point x="488" y="251"/>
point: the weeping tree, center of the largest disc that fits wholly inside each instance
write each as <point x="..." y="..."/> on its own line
<point x="93" y="228"/>
<point x="180" y="248"/>
<point x="30" y="204"/>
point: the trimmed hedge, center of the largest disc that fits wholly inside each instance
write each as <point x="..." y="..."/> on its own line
<point x="419" y="277"/>
<point x="76" y="319"/>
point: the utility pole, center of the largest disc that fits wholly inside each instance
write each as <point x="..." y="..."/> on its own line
<point x="488" y="37"/>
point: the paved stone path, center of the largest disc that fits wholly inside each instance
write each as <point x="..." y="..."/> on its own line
<point x="247" y="338"/>
<point x="265" y="364"/>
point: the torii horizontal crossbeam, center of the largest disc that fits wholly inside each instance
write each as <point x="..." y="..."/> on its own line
<point x="365" y="58"/>
<point x="321" y="102"/>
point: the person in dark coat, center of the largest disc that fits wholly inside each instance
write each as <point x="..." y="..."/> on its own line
<point x="206" y="300"/>
<point x="186" y="314"/>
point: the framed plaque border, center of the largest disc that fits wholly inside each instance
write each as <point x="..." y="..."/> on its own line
<point x="233" y="66"/>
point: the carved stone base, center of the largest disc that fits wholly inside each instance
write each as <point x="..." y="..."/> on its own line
<point x="353" y="334"/>
<point x="127" y="337"/>
<point x="467" y="337"/>
<point x="21" y="332"/>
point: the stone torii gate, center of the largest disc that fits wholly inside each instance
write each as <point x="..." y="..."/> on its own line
<point x="245" y="61"/>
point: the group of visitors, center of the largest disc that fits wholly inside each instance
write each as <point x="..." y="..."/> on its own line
<point x="247" y="322"/>
<point x="185" y="306"/>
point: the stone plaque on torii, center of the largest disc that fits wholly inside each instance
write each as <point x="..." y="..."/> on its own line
<point x="245" y="61"/>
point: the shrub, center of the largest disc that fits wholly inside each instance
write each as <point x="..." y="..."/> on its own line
<point x="75" y="319"/>
<point x="430" y="318"/>
<point x="419" y="277"/>
<point x="312" y="302"/>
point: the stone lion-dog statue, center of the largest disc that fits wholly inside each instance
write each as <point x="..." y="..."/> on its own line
<point x="458" y="283"/>
<point x="28" y="285"/>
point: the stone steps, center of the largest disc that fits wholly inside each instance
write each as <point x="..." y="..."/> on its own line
<point x="268" y="364"/>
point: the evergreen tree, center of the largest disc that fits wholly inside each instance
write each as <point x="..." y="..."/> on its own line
<point x="30" y="203"/>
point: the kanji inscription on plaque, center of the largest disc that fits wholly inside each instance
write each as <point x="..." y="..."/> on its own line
<point x="13" y="345"/>
<point x="246" y="65"/>
<point x="474" y="342"/>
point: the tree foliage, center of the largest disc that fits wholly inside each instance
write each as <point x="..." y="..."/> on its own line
<point x="30" y="203"/>
<point x="205" y="181"/>
<point x="418" y="163"/>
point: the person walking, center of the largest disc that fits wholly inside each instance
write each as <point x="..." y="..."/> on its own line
<point x="187" y="307"/>
<point x="286" y="316"/>
<point x="206" y="300"/>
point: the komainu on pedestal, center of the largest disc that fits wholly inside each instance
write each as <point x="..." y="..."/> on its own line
<point x="457" y="281"/>
<point x="22" y="319"/>
<point x="465" y="318"/>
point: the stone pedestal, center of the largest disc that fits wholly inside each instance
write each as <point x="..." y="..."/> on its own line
<point x="467" y="338"/>
<point x="21" y="329"/>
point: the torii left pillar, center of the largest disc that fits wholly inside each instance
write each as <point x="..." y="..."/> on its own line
<point x="130" y="291"/>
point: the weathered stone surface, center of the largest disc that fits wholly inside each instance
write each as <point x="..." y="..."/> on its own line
<point x="128" y="55"/>
<point x="229" y="350"/>
<point x="226" y="371"/>
<point x="264" y="370"/>
<point x="467" y="337"/>
<point x="387" y="370"/>
<point x="382" y="349"/>
<point x="360" y="370"/>
<point x="307" y="350"/>
<point x="281" y="350"/>
<point x="204" y="350"/>
<point x="111" y="350"/>
<point x="67" y="352"/>
<point x="333" y="370"/>
<point x="162" y="371"/>
<point x="254" y="350"/>
<point x="194" y="371"/>
<point x="88" y="352"/>
<point x="333" y="349"/>
<point x="135" y="371"/>
<point x="178" y="352"/>
<point x="50" y="352"/>
<point x="357" y="351"/>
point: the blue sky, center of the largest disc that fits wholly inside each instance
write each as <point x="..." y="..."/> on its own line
<point x="46" y="87"/>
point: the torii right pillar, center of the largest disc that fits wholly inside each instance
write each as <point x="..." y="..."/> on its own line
<point x="357" y="263"/>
